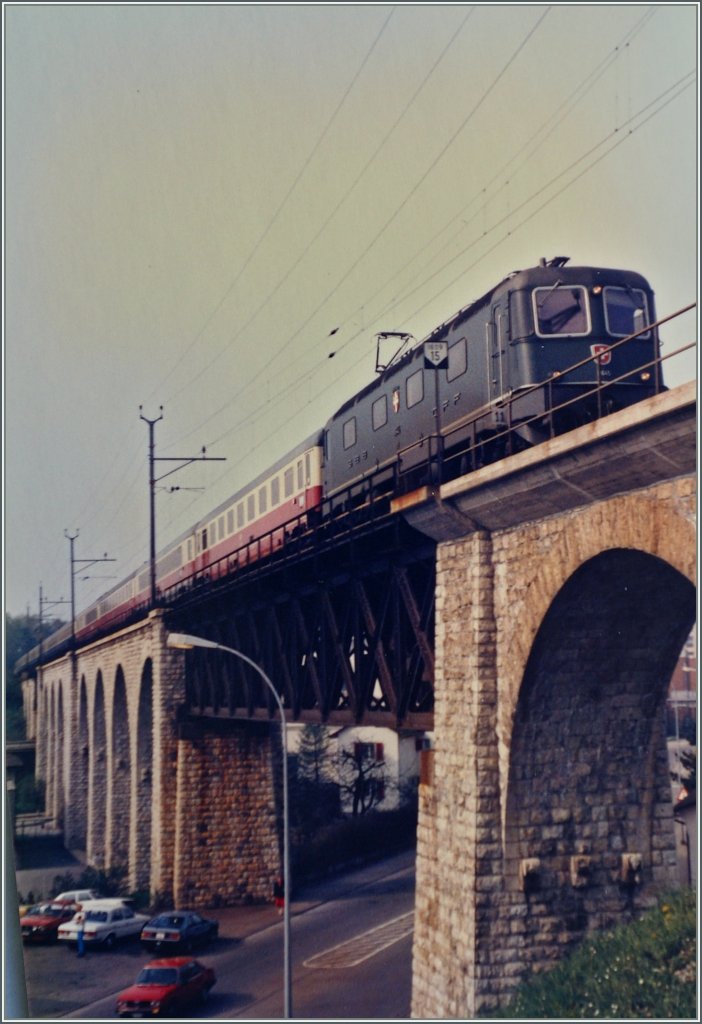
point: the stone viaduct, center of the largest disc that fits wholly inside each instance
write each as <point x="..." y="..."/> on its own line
<point x="565" y="588"/>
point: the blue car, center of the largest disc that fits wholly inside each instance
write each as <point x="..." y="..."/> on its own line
<point x="178" y="930"/>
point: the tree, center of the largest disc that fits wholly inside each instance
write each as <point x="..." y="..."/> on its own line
<point x="22" y="633"/>
<point x="313" y="754"/>
<point x="362" y="776"/>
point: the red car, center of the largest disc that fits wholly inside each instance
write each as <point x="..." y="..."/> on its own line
<point x="164" y="987"/>
<point x="41" y="922"/>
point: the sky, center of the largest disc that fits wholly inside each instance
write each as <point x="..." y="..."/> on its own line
<point x="213" y="209"/>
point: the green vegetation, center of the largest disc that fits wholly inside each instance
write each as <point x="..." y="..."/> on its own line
<point x="644" y="969"/>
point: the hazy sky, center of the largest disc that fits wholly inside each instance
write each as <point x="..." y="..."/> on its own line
<point x="196" y="196"/>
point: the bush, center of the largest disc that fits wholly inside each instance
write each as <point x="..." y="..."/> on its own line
<point x="644" y="969"/>
<point x="356" y="840"/>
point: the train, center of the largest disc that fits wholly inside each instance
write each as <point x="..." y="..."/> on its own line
<point x="545" y="350"/>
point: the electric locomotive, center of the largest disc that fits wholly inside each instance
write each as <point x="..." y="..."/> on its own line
<point x="538" y="353"/>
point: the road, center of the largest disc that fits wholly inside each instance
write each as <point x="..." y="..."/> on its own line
<point x="351" y="945"/>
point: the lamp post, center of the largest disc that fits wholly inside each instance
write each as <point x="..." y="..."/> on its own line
<point x="185" y="641"/>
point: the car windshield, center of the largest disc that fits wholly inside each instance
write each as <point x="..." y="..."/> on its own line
<point x="158" y="976"/>
<point x="168" y="921"/>
<point x="96" y="915"/>
<point x="39" y="908"/>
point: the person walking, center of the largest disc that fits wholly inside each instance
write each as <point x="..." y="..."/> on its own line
<point x="80" y="937"/>
<point x="279" y="894"/>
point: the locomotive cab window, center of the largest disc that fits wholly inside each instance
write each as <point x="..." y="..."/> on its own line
<point x="626" y="311"/>
<point x="350" y="433"/>
<point x="380" y="412"/>
<point x="415" y="388"/>
<point x="458" y="360"/>
<point x="561" y="310"/>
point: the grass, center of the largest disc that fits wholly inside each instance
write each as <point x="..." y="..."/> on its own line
<point x="644" y="969"/>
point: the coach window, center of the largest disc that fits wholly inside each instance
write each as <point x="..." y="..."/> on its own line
<point x="288" y="481"/>
<point x="458" y="360"/>
<point x="380" y="412"/>
<point x="275" y="490"/>
<point x="221" y="527"/>
<point x="230" y="520"/>
<point x="561" y="310"/>
<point x="203" y="540"/>
<point x="262" y="500"/>
<point x="240" y="514"/>
<point x="415" y="388"/>
<point x="251" y="507"/>
<point x="190" y="549"/>
<point x="350" y="433"/>
<point x="300" y="475"/>
<point x="308" y="470"/>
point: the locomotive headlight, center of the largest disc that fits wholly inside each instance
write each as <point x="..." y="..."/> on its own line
<point x="645" y="375"/>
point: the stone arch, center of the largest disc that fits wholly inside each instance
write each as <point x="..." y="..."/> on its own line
<point x="120" y="775"/>
<point x="588" y="773"/>
<point x="97" y="789"/>
<point x="142" y="782"/>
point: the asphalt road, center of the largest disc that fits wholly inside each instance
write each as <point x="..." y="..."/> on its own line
<point x="351" y="957"/>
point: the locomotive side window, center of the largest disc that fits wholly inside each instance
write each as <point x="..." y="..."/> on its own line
<point x="458" y="360"/>
<point x="561" y="310"/>
<point x="415" y="388"/>
<point x="621" y="306"/>
<point x="380" y="412"/>
<point x="350" y="433"/>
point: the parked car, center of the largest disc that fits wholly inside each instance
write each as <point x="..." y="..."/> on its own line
<point x="41" y="922"/>
<point x="79" y="895"/>
<point x="163" y="987"/>
<point x="178" y="930"/>
<point x="104" y="923"/>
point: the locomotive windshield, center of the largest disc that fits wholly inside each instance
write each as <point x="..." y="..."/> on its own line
<point x="561" y="310"/>
<point x="621" y="308"/>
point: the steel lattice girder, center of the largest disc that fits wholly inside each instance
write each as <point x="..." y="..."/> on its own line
<point x="346" y="639"/>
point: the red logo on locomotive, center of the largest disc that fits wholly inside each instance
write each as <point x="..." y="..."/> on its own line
<point x="603" y="353"/>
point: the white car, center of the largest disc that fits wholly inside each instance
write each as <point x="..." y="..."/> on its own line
<point x="104" y="922"/>
<point x="77" y="896"/>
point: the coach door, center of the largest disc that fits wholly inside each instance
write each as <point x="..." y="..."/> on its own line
<point x="496" y="340"/>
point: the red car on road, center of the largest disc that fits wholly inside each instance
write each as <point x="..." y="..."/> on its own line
<point x="165" y="987"/>
<point x="41" y="922"/>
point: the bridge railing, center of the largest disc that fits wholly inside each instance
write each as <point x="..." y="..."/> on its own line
<point x="460" y="448"/>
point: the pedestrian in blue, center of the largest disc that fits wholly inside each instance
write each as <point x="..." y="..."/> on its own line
<point x="80" y="942"/>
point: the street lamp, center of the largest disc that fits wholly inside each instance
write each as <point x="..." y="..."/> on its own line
<point x="185" y="641"/>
